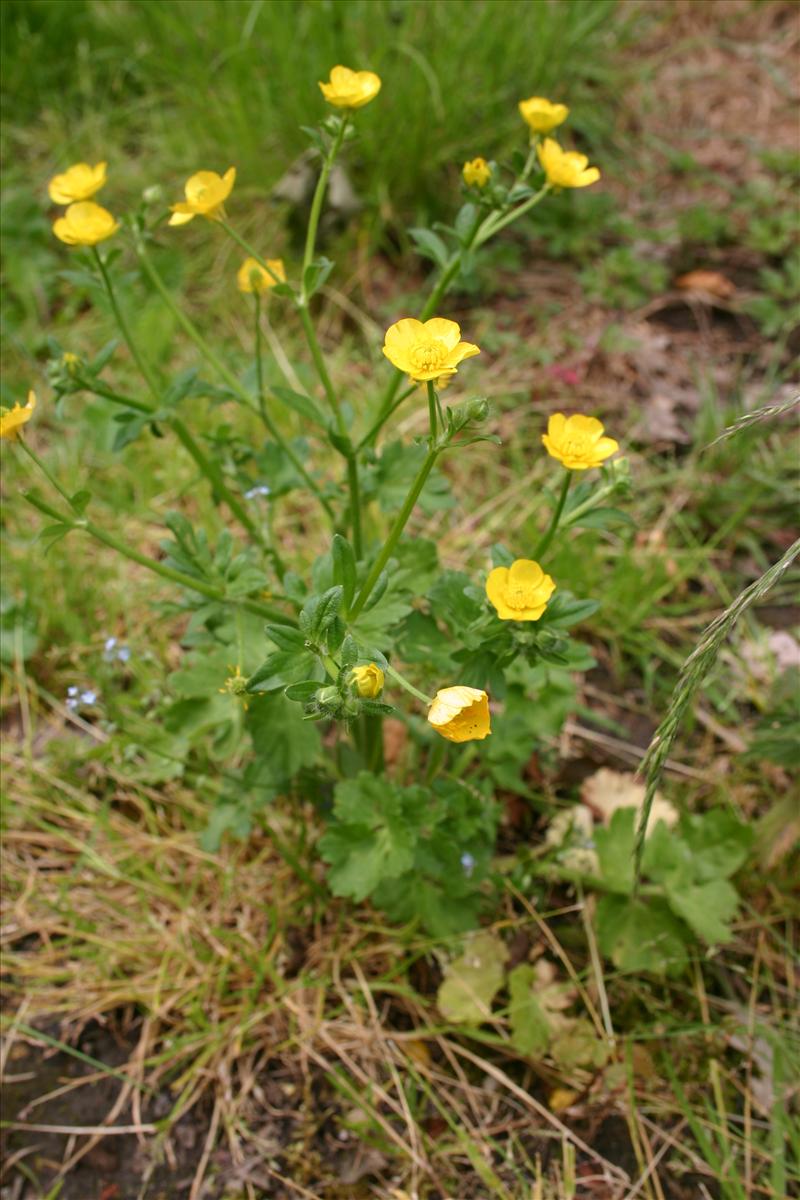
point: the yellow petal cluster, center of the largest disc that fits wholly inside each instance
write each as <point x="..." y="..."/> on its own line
<point x="476" y="173"/>
<point x="12" y="419"/>
<point x="542" y="115"/>
<point x="367" y="680"/>
<point x="252" y="277"/>
<point x="519" y="592"/>
<point x="85" y="224"/>
<point x="460" y="714"/>
<point x="350" y="89"/>
<point x="565" y="168"/>
<point x="206" y="193"/>
<point x="429" y="350"/>
<point x="578" y="441"/>
<point x="79" y="182"/>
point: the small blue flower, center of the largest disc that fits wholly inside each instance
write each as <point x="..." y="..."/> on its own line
<point x="467" y="863"/>
<point x="261" y="489"/>
<point x="113" y="652"/>
<point x="77" y="699"/>
<point x="88" y="697"/>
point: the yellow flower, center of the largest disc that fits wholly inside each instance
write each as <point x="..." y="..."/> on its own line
<point x="565" y="168"/>
<point x="350" y="89"/>
<point x="368" y="680"/>
<point x="206" y="193"/>
<point x="429" y="351"/>
<point x="80" y="182"/>
<point x="12" y="419"/>
<point x="578" y="441"/>
<point x="85" y="224"/>
<point x="477" y="173"/>
<point x="252" y="277"/>
<point x="460" y="714"/>
<point x="542" y="115"/>
<point x="519" y="592"/>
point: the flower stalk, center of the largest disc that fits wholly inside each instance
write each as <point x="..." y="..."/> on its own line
<point x="544" y="541"/>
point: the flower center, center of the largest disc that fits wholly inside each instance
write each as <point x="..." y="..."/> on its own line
<point x="575" y="447"/>
<point x="519" y="596"/>
<point x="428" y="355"/>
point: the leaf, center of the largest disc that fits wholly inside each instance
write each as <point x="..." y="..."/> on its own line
<point x="80" y="500"/>
<point x="530" y="1031"/>
<point x="577" y="1045"/>
<point x="565" y="610"/>
<point x="301" y="404"/>
<point x="281" y="738"/>
<point x="315" y="275"/>
<point x="373" y="836"/>
<point x="430" y="245"/>
<point x="639" y="936"/>
<point x="719" y="842"/>
<point x="302" y="691"/>
<point x="615" y="851"/>
<point x="472" y="980"/>
<point x="602" y="518"/>
<point x="706" y="908"/>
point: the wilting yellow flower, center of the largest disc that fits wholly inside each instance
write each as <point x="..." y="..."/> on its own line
<point x="477" y="173"/>
<point x="350" y="89"/>
<point x="206" y="193"/>
<point x="542" y="115"/>
<point x="12" y="419"/>
<point x="426" y="351"/>
<point x="368" y="680"/>
<point x="80" y="182"/>
<point x="460" y="714"/>
<point x="252" y="277"/>
<point x="519" y="592"/>
<point x="578" y="441"/>
<point x="565" y="168"/>
<point x="85" y="224"/>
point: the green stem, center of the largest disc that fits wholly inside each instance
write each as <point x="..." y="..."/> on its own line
<point x="248" y="249"/>
<point x="280" y="565"/>
<point x="321" y="369"/>
<point x="544" y="541"/>
<point x="210" y="469"/>
<point x="224" y="373"/>
<point x="98" y="389"/>
<point x="395" y="531"/>
<point x="316" y="203"/>
<point x="409" y="687"/>
<point x="355" y="504"/>
<point x="495" y="223"/>
<point x="596" y="498"/>
<point x="432" y="411"/>
<point x="373" y="431"/>
<point x="158" y="568"/>
<point x="51" y="479"/>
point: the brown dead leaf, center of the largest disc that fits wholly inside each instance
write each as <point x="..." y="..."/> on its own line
<point x="607" y="790"/>
<point x="712" y="283"/>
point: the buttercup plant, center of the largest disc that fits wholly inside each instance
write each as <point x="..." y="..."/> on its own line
<point x="374" y="626"/>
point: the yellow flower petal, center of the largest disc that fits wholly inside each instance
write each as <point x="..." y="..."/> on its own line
<point x="350" y="89"/>
<point x="11" y="421"/>
<point x="79" y="182"/>
<point x="565" y="168"/>
<point x="461" y="714"/>
<point x="368" y="680"/>
<point x="426" y="352"/>
<point x="448" y="332"/>
<point x="542" y="115"/>
<point x="577" y="441"/>
<point x="519" y="592"/>
<point x="85" y="224"/>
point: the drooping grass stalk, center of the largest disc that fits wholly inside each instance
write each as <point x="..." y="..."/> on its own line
<point x="375" y="428"/>
<point x="394" y="533"/>
<point x="544" y="541"/>
<point x="209" y="468"/>
<point x="695" y="670"/>
<point x="223" y="371"/>
<point x="152" y="564"/>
